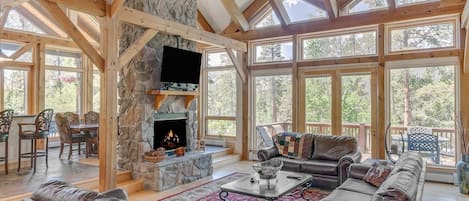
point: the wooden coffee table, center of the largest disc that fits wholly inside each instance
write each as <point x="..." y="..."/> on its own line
<point x="284" y="185"/>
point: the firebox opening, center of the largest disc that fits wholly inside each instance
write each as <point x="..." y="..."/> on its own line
<point x="170" y="134"/>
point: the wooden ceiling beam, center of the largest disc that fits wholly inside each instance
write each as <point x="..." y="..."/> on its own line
<point x="116" y="5"/>
<point x="236" y="15"/>
<point x="465" y="16"/>
<point x="92" y="7"/>
<point x="203" y="22"/>
<point x="332" y="9"/>
<point x="248" y="13"/>
<point x="135" y="48"/>
<point x="12" y="3"/>
<point x="73" y="32"/>
<point x="26" y="37"/>
<point x="280" y="12"/>
<point x="146" y="20"/>
<point x="86" y="25"/>
<point x="4" y="17"/>
<point x="238" y="65"/>
<point x="377" y="17"/>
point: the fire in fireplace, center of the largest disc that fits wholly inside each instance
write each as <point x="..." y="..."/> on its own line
<point x="170" y="134"/>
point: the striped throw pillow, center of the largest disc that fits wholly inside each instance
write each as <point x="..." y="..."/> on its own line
<point x="294" y="145"/>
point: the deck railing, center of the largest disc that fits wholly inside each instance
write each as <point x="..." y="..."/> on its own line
<point x="363" y="133"/>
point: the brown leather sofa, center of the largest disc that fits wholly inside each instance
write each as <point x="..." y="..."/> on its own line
<point x="331" y="156"/>
<point x="55" y="190"/>
<point x="405" y="182"/>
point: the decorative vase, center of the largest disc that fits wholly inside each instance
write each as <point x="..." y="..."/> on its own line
<point x="462" y="170"/>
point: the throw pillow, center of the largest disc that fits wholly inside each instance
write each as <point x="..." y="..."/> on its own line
<point x="377" y="174"/>
<point x="294" y="145"/>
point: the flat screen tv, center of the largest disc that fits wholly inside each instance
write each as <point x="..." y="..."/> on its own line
<point x="180" y="66"/>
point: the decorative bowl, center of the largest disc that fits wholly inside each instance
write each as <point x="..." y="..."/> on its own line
<point x="268" y="169"/>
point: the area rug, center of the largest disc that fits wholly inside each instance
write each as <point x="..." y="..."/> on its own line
<point x="209" y="192"/>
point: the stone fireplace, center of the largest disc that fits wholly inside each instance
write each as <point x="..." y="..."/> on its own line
<point x="137" y="115"/>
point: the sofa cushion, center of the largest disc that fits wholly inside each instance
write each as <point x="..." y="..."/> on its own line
<point x="59" y="190"/>
<point x="410" y="156"/>
<point x="323" y="167"/>
<point x="411" y="166"/>
<point x="377" y="174"/>
<point x="344" y="195"/>
<point x="290" y="164"/>
<point x="357" y="185"/>
<point x="328" y="147"/>
<point x="294" y="145"/>
<point x="401" y="186"/>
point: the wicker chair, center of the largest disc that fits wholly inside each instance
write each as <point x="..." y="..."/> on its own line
<point x="5" y="122"/>
<point x="67" y="136"/>
<point x="73" y="119"/>
<point x="41" y="131"/>
<point x="92" y="117"/>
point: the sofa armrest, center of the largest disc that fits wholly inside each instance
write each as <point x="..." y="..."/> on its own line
<point x="345" y="162"/>
<point x="267" y="153"/>
<point x="358" y="170"/>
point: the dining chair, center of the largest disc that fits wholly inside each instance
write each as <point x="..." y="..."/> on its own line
<point x="41" y="131"/>
<point x="67" y="136"/>
<point x="92" y="117"/>
<point x="73" y="119"/>
<point x="5" y="122"/>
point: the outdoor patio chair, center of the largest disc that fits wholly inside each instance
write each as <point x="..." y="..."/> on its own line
<point x="266" y="138"/>
<point x="424" y="142"/>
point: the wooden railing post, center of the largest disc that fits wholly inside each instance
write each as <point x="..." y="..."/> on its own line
<point x="362" y="138"/>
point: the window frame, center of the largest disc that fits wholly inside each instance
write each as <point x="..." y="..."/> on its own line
<point x="345" y="11"/>
<point x="452" y="18"/>
<point x="79" y="69"/>
<point x="205" y="117"/>
<point x="415" y="3"/>
<point x="253" y="44"/>
<point x="338" y="32"/>
<point x="26" y="87"/>
<point x="261" y="15"/>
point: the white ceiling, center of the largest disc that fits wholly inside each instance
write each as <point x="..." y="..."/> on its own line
<point x="216" y="14"/>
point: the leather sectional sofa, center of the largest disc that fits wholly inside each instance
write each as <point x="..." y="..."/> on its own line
<point x="405" y="182"/>
<point x="331" y="156"/>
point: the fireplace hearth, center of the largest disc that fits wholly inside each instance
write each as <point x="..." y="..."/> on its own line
<point x="170" y="134"/>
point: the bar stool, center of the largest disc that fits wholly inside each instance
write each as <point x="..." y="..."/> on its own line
<point x="5" y="121"/>
<point x="41" y="131"/>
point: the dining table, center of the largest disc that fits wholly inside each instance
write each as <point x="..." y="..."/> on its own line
<point x="92" y="130"/>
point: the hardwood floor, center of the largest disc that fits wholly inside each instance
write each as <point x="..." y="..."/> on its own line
<point x="432" y="191"/>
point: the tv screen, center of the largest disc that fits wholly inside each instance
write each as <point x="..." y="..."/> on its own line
<point x="180" y="66"/>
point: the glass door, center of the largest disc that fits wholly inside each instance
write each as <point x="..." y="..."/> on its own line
<point x="340" y="102"/>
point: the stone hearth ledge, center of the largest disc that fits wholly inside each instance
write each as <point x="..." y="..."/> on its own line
<point x="174" y="171"/>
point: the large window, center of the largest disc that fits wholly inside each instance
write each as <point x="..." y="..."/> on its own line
<point x="301" y="10"/>
<point x="410" y="2"/>
<point x="63" y="81"/>
<point x="360" y="6"/>
<point x="221" y="98"/>
<point x="96" y="90"/>
<point x="354" y="44"/>
<point x="17" y="21"/>
<point x="273" y="52"/>
<point x="267" y="20"/>
<point x="424" y="36"/>
<point x="424" y="97"/>
<point x="273" y="102"/>
<point x="15" y="84"/>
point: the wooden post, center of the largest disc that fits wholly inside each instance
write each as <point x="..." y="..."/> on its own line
<point x="362" y="138"/>
<point x="108" y="105"/>
<point x="377" y="134"/>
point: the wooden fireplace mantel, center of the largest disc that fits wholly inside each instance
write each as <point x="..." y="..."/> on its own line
<point x="161" y="95"/>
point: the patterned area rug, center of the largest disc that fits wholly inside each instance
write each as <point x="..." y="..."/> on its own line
<point x="209" y="192"/>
